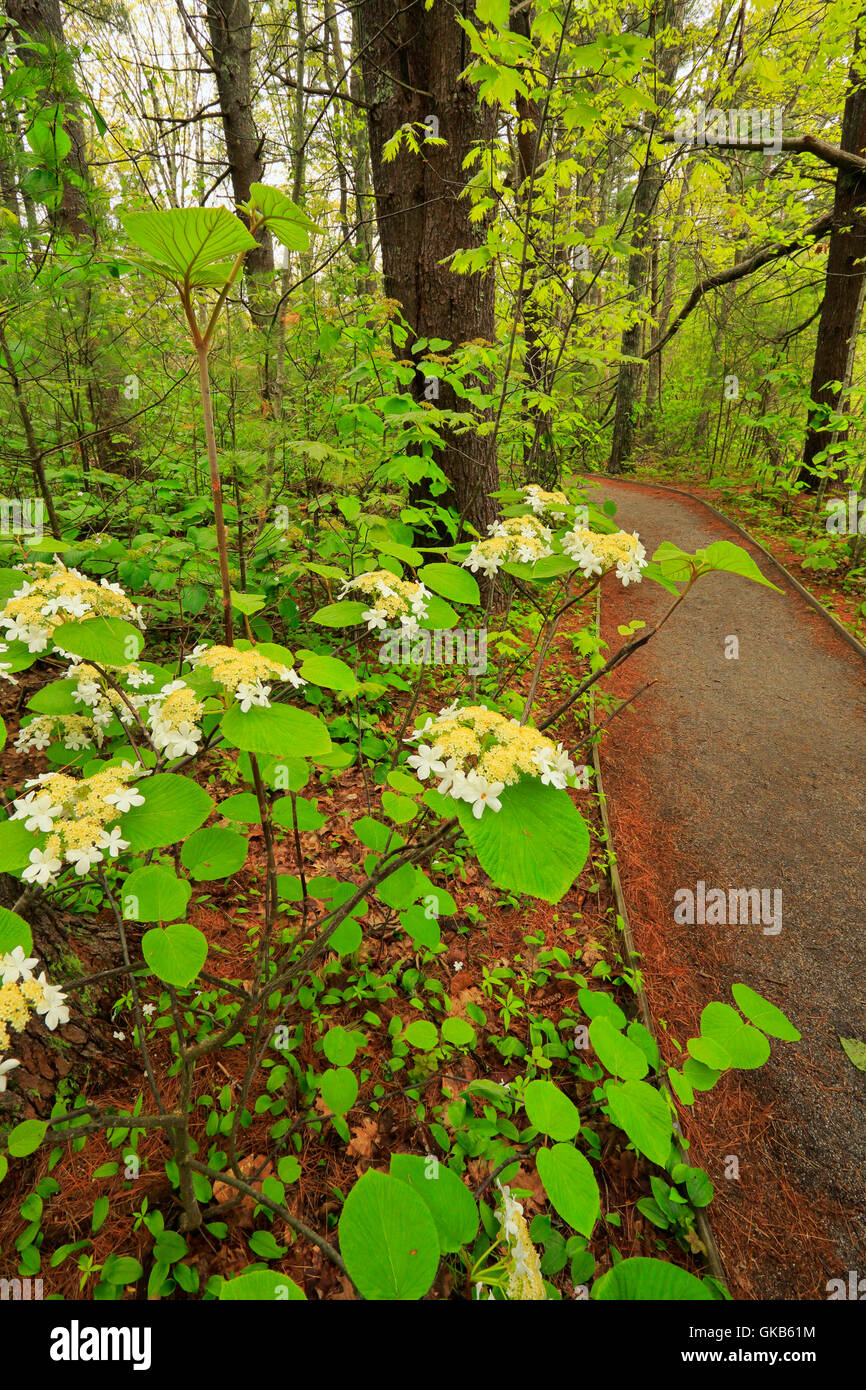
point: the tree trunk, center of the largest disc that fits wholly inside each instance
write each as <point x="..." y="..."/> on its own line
<point x="39" y="22"/>
<point x="412" y="60"/>
<point x="646" y="196"/>
<point x="231" y="40"/>
<point x="843" y="293"/>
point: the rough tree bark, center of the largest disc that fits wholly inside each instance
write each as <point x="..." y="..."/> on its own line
<point x="846" y="277"/>
<point x="40" y="22"/>
<point x="230" y="31"/>
<point x="412" y="59"/>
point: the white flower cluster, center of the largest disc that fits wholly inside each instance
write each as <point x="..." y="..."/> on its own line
<point x="541" y="501"/>
<point x="596" y="554"/>
<point x="392" y="598"/>
<point x="53" y="594"/>
<point x="74" y="731"/>
<point x="172" y="718"/>
<point x="520" y="539"/>
<point x="477" y="753"/>
<point x="20" y="992"/>
<point x="525" y="1283"/>
<point x="76" y="814"/>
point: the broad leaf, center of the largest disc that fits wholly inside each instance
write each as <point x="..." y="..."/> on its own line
<point x="289" y="224"/>
<point x="281" y="730"/>
<point x="174" y="806"/>
<point x="196" y="246"/>
<point x="175" y="954"/>
<point x="536" y="844"/>
<point x="643" y="1279"/>
<point x="388" y="1239"/>
<point x="639" y="1110"/>
<point x="550" y="1111"/>
<point x="571" y="1186"/>
<point x="451" y="1204"/>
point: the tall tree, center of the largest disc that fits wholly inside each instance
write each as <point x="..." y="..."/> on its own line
<point x="230" y="31"/>
<point x="666" y="15"/>
<point x="37" y="27"/>
<point x="412" y="60"/>
<point x="846" y="278"/>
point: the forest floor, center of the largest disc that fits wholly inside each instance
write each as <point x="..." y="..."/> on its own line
<point x="740" y="773"/>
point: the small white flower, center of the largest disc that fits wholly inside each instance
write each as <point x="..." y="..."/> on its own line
<point x="124" y="799"/>
<point x="15" y="965"/>
<point x="84" y="859"/>
<point x="425" y="761"/>
<point x="374" y="618"/>
<point x="251" y="693"/>
<point x="111" y="840"/>
<point x="52" y="1007"/>
<point x="183" y="741"/>
<point x="121" y="1037"/>
<point x="148" y="1009"/>
<point x="410" y="738"/>
<point x="43" y="867"/>
<point x="456" y="965"/>
<point x="482" y="794"/>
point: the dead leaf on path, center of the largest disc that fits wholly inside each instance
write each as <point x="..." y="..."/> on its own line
<point x="460" y="999"/>
<point x="364" y="1137"/>
<point x="529" y="1179"/>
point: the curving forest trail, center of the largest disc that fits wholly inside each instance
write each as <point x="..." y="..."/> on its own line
<point x="739" y="773"/>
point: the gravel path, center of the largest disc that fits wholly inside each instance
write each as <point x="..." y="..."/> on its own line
<point x="753" y="774"/>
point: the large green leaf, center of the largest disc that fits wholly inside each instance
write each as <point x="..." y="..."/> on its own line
<point x="643" y="1279"/>
<point x="329" y="672"/>
<point x="109" y="641"/>
<point x="451" y="581"/>
<point x="733" y="559"/>
<point x="763" y="1014"/>
<point x="15" y="845"/>
<point x="289" y="224"/>
<point x="262" y="1286"/>
<point x="537" y="843"/>
<point x="746" y="1047"/>
<point x="643" y="1113"/>
<point x="451" y="1204"/>
<point x="154" y="893"/>
<point x="174" y="806"/>
<point x="25" y="1138"/>
<point x="339" y="1088"/>
<point x="194" y="245"/>
<point x="14" y="931"/>
<point x="175" y="954"/>
<point x="550" y="1111"/>
<point x="346" y="613"/>
<point x="571" y="1186"/>
<point x="214" y="853"/>
<point x="281" y="730"/>
<point x="615" y="1052"/>
<point x="388" y="1239"/>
